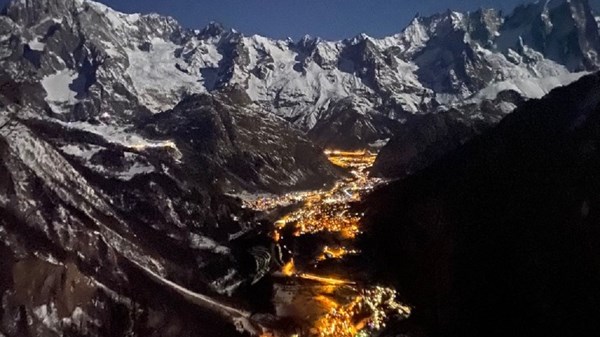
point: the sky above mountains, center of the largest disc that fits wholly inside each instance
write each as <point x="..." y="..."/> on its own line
<point x="329" y="19"/>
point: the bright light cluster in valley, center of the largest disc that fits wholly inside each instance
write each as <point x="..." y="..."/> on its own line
<point x="332" y="306"/>
<point x="328" y="210"/>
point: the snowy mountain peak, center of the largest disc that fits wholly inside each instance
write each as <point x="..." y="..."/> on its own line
<point x="90" y="61"/>
<point x="213" y="29"/>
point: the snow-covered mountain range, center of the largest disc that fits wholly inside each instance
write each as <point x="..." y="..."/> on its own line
<point x="125" y="138"/>
<point x="85" y="61"/>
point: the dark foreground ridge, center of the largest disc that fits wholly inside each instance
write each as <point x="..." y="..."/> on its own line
<point x="501" y="238"/>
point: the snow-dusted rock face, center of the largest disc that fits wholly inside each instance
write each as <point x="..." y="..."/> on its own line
<point x="115" y="162"/>
<point x="88" y="61"/>
<point x="81" y="62"/>
<point x="88" y="214"/>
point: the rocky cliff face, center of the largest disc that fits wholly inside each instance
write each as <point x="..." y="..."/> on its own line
<point x="116" y="165"/>
<point x="494" y="237"/>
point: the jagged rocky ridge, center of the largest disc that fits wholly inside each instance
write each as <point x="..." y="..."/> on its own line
<point x="89" y="61"/>
<point x="495" y="237"/>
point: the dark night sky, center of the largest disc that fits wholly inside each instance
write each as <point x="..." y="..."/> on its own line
<point x="330" y="19"/>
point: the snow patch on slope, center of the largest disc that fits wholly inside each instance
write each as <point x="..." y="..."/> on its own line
<point x="205" y="243"/>
<point x="58" y="89"/>
<point x="133" y="164"/>
<point x="36" y="44"/>
<point x="83" y="151"/>
<point x="529" y="87"/>
<point x="156" y="77"/>
<point x="121" y="135"/>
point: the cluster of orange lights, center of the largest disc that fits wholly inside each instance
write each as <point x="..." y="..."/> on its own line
<point x="320" y="216"/>
<point x="358" y="159"/>
<point x="367" y="310"/>
<point x="265" y="203"/>
<point x="327" y="210"/>
<point x="331" y="222"/>
<point x="334" y="253"/>
<point x="339" y="322"/>
<point x="354" y="311"/>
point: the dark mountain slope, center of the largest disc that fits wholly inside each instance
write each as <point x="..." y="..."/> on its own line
<point x="424" y="139"/>
<point x="501" y="237"/>
<point x="228" y="141"/>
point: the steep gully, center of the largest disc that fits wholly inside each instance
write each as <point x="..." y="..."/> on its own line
<point x="317" y="291"/>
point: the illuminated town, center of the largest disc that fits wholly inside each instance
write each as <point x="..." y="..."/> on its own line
<point x="329" y="305"/>
<point x="327" y="210"/>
